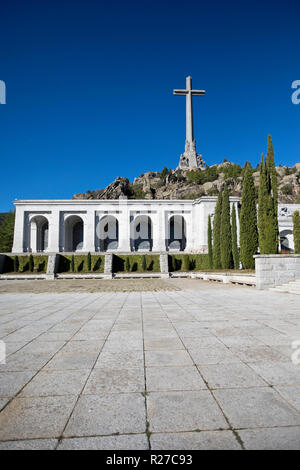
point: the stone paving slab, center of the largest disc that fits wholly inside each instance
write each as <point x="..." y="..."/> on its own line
<point x="124" y="442"/>
<point x="204" y="440"/>
<point x="271" y="438"/>
<point x="34" y="444"/>
<point x="194" y="366"/>
<point x="108" y="414"/>
<point x="184" y="411"/>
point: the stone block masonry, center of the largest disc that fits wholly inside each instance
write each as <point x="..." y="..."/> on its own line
<point x="275" y="270"/>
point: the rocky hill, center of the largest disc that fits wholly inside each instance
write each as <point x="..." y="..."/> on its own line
<point x="192" y="184"/>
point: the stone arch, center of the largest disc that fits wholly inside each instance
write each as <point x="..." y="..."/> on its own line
<point x="286" y="243"/>
<point x="74" y="233"/>
<point x="142" y="233"/>
<point x="176" y="233"/>
<point x="39" y="229"/>
<point x="108" y="233"/>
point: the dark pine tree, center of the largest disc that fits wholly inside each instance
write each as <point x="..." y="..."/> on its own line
<point x="248" y="221"/>
<point x="296" y="232"/>
<point x="209" y="241"/>
<point x="7" y="233"/>
<point x="235" y="252"/>
<point x="226" y="240"/>
<point x="217" y="234"/>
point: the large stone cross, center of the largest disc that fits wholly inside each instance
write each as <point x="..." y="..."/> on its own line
<point x="190" y="144"/>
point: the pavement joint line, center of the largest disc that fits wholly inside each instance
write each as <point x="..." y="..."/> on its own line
<point x="54" y="354"/>
<point x="240" y="442"/>
<point x="93" y="367"/>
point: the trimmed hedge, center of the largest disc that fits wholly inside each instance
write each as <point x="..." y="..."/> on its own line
<point x="22" y="262"/>
<point x="134" y="263"/>
<point x="190" y="262"/>
<point x="81" y="264"/>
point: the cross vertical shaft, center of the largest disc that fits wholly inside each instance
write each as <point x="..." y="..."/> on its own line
<point x="189" y="158"/>
<point x="189" y="112"/>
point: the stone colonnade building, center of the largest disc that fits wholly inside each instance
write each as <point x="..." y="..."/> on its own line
<point x="123" y="225"/>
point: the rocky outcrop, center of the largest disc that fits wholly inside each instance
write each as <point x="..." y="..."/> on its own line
<point x="179" y="184"/>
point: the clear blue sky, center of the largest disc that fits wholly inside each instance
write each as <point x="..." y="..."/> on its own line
<point x="89" y="88"/>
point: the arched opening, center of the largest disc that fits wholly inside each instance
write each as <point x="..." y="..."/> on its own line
<point x="108" y="233"/>
<point x="142" y="233"/>
<point x="286" y="241"/>
<point x="73" y="233"/>
<point x="39" y="228"/>
<point x="177" y="233"/>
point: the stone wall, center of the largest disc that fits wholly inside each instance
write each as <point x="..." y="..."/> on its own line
<point x="275" y="270"/>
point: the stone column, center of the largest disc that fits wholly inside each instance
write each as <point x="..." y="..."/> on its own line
<point x="124" y="226"/>
<point x="159" y="230"/>
<point x="189" y="231"/>
<point x="53" y="233"/>
<point x="18" y="245"/>
<point x="89" y="231"/>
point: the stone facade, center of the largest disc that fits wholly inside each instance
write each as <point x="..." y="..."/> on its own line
<point x="123" y="225"/>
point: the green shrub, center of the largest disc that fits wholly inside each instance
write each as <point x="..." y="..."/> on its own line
<point x="287" y="190"/>
<point x="134" y="263"/>
<point x="196" y="262"/>
<point x="81" y="263"/>
<point x="25" y="263"/>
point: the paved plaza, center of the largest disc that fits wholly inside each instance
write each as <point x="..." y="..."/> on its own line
<point x="196" y="365"/>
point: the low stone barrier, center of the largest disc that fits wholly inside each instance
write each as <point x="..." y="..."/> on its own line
<point x="275" y="270"/>
<point x="226" y="278"/>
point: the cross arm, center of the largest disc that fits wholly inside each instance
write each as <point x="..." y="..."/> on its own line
<point x="180" y="92"/>
<point x="198" y="92"/>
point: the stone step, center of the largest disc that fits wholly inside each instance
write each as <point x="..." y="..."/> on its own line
<point x="292" y="287"/>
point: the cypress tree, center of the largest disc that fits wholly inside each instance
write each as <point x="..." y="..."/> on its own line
<point x="226" y="240"/>
<point x="16" y="264"/>
<point x="272" y="177"/>
<point x="296" y="232"/>
<point x="73" y="264"/>
<point x="89" y="262"/>
<point x="273" y="192"/>
<point x="127" y="264"/>
<point x="144" y="263"/>
<point x="248" y="221"/>
<point x="186" y="263"/>
<point x="235" y="253"/>
<point x="31" y="263"/>
<point x="217" y="234"/>
<point x="267" y="205"/>
<point x="209" y="241"/>
<point x="7" y="233"/>
<point x="262" y="202"/>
